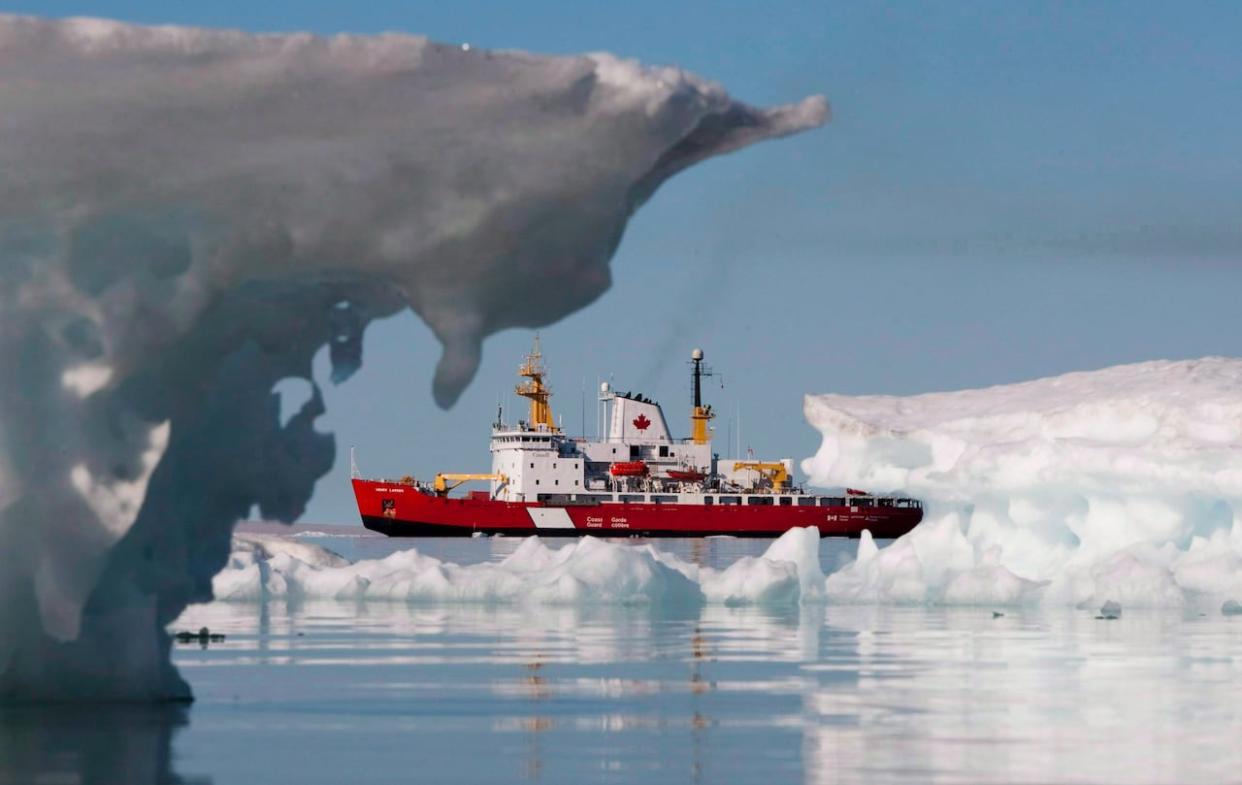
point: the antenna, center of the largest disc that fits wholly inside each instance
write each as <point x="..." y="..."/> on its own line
<point x="700" y="415"/>
<point x="738" y="448"/>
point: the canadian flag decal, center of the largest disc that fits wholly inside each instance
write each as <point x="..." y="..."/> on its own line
<point x="641" y="422"/>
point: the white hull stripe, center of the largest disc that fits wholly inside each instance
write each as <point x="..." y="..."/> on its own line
<point x="550" y="518"/>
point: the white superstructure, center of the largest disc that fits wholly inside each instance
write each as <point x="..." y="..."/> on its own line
<point x="534" y="460"/>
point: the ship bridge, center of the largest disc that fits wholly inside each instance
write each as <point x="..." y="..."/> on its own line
<point x="638" y="453"/>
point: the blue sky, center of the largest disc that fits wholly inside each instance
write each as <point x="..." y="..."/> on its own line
<point x="1006" y="191"/>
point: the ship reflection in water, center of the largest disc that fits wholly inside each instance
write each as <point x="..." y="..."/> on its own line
<point x="375" y="692"/>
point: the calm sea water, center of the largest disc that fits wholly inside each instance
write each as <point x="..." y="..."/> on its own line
<point x="388" y="693"/>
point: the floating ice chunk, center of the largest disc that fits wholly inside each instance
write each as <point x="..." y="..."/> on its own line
<point x="893" y="574"/>
<point x="991" y="583"/>
<point x="255" y="547"/>
<point x="189" y="216"/>
<point x="1135" y="578"/>
<point x="1124" y="483"/>
<point x="593" y="570"/>
<point x="801" y="548"/>
<point x="904" y="573"/>
<point x="1211" y="568"/>
<point x="753" y="580"/>
<point x="787" y="573"/>
<point x="589" y="571"/>
<point x="1231" y="608"/>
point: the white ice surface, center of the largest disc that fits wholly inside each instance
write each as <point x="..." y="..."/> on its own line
<point x="1122" y="484"/>
<point x="188" y="216"/>
<point x="586" y="571"/>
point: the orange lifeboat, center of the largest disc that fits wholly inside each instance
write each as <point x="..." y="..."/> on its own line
<point x="628" y="469"/>
<point x="686" y="475"/>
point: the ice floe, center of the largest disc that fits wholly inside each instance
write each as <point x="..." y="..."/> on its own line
<point x="585" y="571"/>
<point x="1118" y="485"/>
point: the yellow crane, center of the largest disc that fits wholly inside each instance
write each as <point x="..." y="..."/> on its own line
<point x="774" y="471"/>
<point x="447" y="482"/>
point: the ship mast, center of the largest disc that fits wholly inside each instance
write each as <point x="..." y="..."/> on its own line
<point x="699" y="414"/>
<point x="534" y="388"/>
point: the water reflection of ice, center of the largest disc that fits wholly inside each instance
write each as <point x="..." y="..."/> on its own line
<point x="819" y="695"/>
<point x="378" y="692"/>
<point x="1058" y="697"/>
<point x="90" y="744"/>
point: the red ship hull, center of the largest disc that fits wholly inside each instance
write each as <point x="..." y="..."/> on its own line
<point x="399" y="510"/>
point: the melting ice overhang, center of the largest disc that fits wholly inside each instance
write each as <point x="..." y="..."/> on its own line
<point x="187" y="215"/>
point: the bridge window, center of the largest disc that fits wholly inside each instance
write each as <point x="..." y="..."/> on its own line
<point x="832" y="501"/>
<point x="730" y="499"/>
<point x="707" y="500"/>
<point x="786" y="501"/>
<point x="663" y="451"/>
<point x="755" y="501"/>
<point x="806" y="501"/>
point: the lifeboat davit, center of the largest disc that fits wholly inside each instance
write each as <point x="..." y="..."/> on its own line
<point x="628" y="469"/>
<point x="686" y="475"/>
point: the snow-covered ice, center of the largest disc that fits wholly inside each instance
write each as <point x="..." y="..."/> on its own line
<point x="586" y="571"/>
<point x="1120" y="485"/>
<point x="188" y="216"/>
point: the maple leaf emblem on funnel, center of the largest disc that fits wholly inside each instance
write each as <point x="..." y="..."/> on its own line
<point x="641" y="422"/>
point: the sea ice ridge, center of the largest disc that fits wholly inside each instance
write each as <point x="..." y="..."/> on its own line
<point x="1119" y="485"/>
<point x="586" y="571"/>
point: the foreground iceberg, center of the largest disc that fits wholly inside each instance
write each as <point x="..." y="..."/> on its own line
<point x="588" y="571"/>
<point x="188" y="216"/>
<point x="1123" y="484"/>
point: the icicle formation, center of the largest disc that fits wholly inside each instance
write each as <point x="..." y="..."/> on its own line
<point x="1117" y="485"/>
<point x="186" y="216"/>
